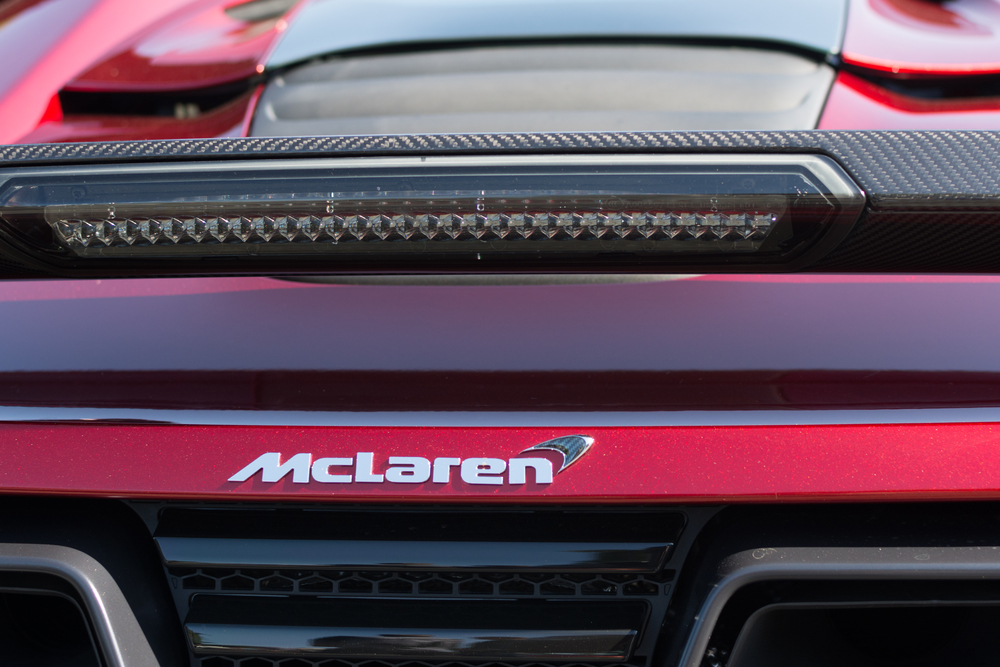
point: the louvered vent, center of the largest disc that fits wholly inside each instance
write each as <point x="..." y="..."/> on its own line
<point x="307" y="586"/>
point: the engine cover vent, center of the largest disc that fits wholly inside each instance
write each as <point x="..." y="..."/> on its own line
<point x="561" y="88"/>
<point x="506" y="586"/>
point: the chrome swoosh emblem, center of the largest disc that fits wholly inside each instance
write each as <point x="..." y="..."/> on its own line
<point x="572" y="448"/>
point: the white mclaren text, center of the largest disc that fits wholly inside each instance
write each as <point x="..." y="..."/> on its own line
<point x="360" y="468"/>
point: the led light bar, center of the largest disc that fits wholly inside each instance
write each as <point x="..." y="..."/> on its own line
<point x="114" y="232"/>
<point x="516" y="213"/>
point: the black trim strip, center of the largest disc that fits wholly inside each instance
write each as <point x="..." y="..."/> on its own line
<point x="413" y="630"/>
<point x="545" y="541"/>
<point x="413" y="555"/>
<point x="499" y="391"/>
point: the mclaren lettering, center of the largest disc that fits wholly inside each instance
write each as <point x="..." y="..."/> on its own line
<point x="361" y="468"/>
<point x="303" y="468"/>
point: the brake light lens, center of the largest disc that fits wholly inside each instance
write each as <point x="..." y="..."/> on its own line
<point x="428" y="213"/>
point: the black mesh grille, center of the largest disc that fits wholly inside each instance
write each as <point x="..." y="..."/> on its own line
<point x="322" y="582"/>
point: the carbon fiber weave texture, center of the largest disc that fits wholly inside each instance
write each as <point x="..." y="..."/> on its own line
<point x="917" y="242"/>
<point x="903" y="169"/>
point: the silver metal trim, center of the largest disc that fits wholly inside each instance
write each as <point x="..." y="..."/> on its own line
<point x="503" y="419"/>
<point x="772" y="564"/>
<point x="490" y="279"/>
<point x="119" y="635"/>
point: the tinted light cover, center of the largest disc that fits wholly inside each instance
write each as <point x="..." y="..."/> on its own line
<point x="524" y="213"/>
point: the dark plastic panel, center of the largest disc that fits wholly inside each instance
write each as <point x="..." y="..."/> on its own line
<point x="589" y="604"/>
<point x="607" y="541"/>
<point x="406" y="630"/>
<point x="526" y="525"/>
<point x="42" y="624"/>
<point x="910" y="241"/>
<point x="413" y="555"/>
<point x="497" y="391"/>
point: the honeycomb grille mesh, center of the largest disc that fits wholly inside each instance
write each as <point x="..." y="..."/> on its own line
<point x="482" y="584"/>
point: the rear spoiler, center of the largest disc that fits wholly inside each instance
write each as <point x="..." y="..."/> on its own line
<point x="702" y="202"/>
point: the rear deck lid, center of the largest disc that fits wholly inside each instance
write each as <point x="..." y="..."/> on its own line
<point x="331" y="26"/>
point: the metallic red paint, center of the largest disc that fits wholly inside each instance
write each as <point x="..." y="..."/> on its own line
<point x="856" y="104"/>
<point x="841" y="278"/>
<point x="45" y="44"/>
<point x="199" y="46"/>
<point x="248" y="112"/>
<point x="53" y="112"/>
<point x="920" y="37"/>
<point x="45" y="290"/>
<point x="669" y="464"/>
<point x="905" y="324"/>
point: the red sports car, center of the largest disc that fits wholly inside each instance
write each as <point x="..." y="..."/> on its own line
<point x="499" y="333"/>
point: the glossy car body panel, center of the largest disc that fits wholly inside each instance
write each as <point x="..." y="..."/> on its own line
<point x="677" y="332"/>
<point x="49" y="42"/>
<point x="331" y="26"/>
<point x="857" y="104"/>
<point x="852" y="323"/>
<point x="915" y="37"/>
<point x="648" y="465"/>
<point x="199" y="46"/>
